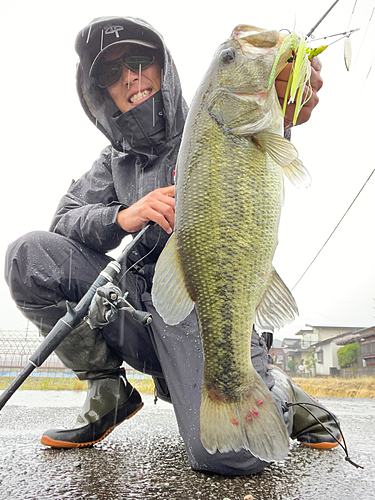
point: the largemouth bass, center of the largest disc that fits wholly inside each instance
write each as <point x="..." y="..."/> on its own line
<point x="229" y="193"/>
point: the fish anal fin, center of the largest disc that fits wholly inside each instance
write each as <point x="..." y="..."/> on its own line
<point x="277" y="307"/>
<point x="252" y="423"/>
<point x="169" y="293"/>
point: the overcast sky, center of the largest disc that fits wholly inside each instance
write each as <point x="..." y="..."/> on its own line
<point x="47" y="139"/>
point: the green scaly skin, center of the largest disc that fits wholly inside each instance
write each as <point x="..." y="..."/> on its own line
<point x="229" y="197"/>
<point x="227" y="221"/>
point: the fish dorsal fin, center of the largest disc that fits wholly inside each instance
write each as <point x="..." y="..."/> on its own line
<point x="277" y="307"/>
<point x="285" y="154"/>
<point x="169" y="294"/>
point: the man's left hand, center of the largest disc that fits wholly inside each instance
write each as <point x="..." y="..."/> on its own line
<point x="316" y="83"/>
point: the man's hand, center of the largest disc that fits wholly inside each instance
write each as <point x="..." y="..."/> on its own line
<point x="158" y="206"/>
<point x="316" y="84"/>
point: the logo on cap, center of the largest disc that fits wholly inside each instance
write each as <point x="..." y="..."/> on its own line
<point x="110" y="29"/>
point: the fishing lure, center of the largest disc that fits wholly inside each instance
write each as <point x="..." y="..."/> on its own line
<point x="290" y="42"/>
<point x="315" y="52"/>
<point x="347" y="46"/>
<point x="300" y="73"/>
<point x="299" y="77"/>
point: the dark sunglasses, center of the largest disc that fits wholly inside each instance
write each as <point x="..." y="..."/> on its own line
<point x="110" y="72"/>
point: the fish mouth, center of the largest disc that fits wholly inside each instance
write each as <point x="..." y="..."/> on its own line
<point x="259" y="97"/>
<point x="135" y="98"/>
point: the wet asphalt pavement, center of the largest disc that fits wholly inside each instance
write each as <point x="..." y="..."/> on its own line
<point x="144" y="458"/>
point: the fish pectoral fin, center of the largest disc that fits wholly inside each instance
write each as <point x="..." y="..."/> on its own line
<point x="169" y="293"/>
<point x="297" y="174"/>
<point x="285" y="154"/>
<point x="280" y="149"/>
<point x="277" y="307"/>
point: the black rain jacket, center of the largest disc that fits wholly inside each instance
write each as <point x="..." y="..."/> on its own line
<point x="141" y="157"/>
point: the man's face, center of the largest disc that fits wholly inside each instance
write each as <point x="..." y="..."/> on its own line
<point x="132" y="88"/>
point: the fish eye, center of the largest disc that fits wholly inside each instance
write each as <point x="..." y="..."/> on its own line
<point x="227" y="56"/>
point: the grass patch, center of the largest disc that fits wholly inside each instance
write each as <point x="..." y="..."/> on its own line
<point x="145" y="386"/>
<point x="47" y="384"/>
<point x="323" y="387"/>
<point x="337" y="387"/>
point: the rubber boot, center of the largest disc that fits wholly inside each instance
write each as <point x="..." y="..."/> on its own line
<point x="109" y="402"/>
<point x="110" y="398"/>
<point x="302" y="425"/>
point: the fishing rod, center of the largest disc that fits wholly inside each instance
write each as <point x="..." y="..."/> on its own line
<point x="108" y="301"/>
<point x="321" y="19"/>
<point x="318" y="50"/>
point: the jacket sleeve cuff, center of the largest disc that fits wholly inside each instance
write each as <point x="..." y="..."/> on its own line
<point x="110" y="217"/>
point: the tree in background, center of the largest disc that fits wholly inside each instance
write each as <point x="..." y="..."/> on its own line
<point x="310" y="361"/>
<point x="291" y="364"/>
<point x="348" y="355"/>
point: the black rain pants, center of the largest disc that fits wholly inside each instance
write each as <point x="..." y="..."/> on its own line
<point x="44" y="270"/>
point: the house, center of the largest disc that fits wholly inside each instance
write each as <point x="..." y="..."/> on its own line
<point x="315" y="334"/>
<point x="367" y="342"/>
<point x="323" y="340"/>
<point x="326" y="362"/>
<point x="288" y="350"/>
<point x="277" y="353"/>
<point x="366" y="339"/>
<point x="293" y="353"/>
<point x="326" y="350"/>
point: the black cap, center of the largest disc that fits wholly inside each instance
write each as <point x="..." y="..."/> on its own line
<point x="104" y="32"/>
<point x="122" y="42"/>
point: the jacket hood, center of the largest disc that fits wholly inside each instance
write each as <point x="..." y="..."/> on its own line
<point x="99" y="107"/>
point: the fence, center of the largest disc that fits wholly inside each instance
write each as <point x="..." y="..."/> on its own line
<point x="369" y="371"/>
<point x="17" y="346"/>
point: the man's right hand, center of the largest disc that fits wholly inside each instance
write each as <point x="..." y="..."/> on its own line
<point x="157" y="206"/>
<point x="316" y="84"/>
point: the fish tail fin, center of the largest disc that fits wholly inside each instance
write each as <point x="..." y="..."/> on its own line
<point x="253" y="422"/>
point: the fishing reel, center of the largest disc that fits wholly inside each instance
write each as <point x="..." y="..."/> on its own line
<point x="107" y="302"/>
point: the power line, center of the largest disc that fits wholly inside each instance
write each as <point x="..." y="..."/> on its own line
<point x="337" y="225"/>
<point x="363" y="39"/>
